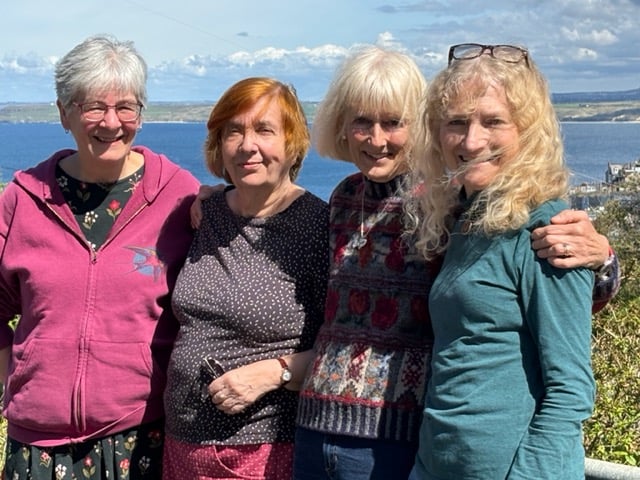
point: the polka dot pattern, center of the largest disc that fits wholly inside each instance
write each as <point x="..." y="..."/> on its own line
<point x="251" y="289"/>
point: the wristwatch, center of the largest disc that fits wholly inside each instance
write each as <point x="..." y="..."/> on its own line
<point x="285" y="376"/>
<point x="607" y="269"/>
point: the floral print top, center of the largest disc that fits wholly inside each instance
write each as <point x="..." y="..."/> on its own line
<point x="96" y="206"/>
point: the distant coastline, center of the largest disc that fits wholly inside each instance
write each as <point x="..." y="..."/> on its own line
<point x="166" y="112"/>
<point x="583" y="111"/>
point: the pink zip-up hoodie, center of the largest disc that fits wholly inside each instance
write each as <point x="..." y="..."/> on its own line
<point x="90" y="351"/>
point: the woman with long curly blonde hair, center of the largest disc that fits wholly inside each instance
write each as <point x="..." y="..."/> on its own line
<point x="511" y="379"/>
<point x="536" y="174"/>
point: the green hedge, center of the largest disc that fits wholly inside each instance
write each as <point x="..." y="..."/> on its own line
<point x="613" y="432"/>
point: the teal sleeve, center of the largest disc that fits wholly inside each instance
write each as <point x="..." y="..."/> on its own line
<point x="557" y="306"/>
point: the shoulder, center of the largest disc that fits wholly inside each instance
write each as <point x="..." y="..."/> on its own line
<point x="8" y="200"/>
<point x="43" y="172"/>
<point x="313" y="202"/>
<point x="308" y="214"/>
<point x="541" y="215"/>
<point x="216" y="200"/>
<point x="309" y="209"/>
<point x="160" y="171"/>
<point x="347" y="186"/>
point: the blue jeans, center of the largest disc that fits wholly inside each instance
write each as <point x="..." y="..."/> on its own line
<point x="321" y="456"/>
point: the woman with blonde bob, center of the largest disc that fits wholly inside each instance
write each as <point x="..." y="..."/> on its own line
<point x="250" y="296"/>
<point x="511" y="379"/>
<point x="361" y="402"/>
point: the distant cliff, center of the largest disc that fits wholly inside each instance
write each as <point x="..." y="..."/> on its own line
<point x="621" y="106"/>
<point x="588" y="97"/>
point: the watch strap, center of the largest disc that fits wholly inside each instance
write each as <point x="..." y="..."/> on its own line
<point x="285" y="376"/>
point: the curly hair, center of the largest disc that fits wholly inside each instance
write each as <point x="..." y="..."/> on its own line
<point x="537" y="173"/>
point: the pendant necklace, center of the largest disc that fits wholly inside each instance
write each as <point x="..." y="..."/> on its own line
<point x="360" y="240"/>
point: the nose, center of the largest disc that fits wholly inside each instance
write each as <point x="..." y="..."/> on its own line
<point x="248" y="142"/>
<point x="475" y="138"/>
<point x="111" y="119"/>
<point x="377" y="135"/>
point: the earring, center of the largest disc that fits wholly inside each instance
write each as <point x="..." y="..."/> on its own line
<point x="66" y="130"/>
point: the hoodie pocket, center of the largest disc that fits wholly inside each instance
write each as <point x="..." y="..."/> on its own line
<point x="121" y="379"/>
<point x="40" y="387"/>
<point x="53" y="387"/>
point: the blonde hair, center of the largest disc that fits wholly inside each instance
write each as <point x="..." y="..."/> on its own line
<point x="536" y="174"/>
<point x="371" y="81"/>
<point x="239" y="98"/>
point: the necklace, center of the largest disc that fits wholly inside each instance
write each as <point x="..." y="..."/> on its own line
<point x="360" y="240"/>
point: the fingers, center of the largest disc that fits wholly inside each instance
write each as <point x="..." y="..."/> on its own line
<point x="204" y="192"/>
<point x="196" y="213"/>
<point x="570" y="216"/>
<point x="227" y="402"/>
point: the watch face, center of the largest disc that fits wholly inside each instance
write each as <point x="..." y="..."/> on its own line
<point x="286" y="376"/>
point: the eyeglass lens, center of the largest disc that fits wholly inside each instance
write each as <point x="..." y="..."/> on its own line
<point x="126" y="112"/>
<point x="506" y="53"/>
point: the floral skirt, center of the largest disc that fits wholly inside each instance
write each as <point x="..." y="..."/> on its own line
<point x="132" y="454"/>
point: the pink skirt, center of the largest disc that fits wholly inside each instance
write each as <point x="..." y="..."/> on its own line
<point x="265" y="461"/>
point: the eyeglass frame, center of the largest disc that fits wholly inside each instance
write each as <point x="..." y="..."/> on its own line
<point x="484" y="48"/>
<point x="213" y="366"/>
<point x="213" y="369"/>
<point x="83" y="113"/>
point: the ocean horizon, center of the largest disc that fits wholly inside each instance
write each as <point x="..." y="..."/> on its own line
<point x="589" y="148"/>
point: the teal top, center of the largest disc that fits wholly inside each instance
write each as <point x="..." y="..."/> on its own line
<point x="511" y="375"/>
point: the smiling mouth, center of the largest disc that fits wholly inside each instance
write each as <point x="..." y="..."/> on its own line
<point x="380" y="156"/>
<point x="250" y="164"/>
<point x="477" y="160"/>
<point x="108" y="140"/>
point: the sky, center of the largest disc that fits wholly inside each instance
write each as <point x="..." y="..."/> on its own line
<point x="195" y="49"/>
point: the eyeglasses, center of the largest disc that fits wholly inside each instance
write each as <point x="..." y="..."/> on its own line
<point x="210" y="369"/>
<point x="506" y="53"/>
<point x="95" y="111"/>
<point x="212" y="366"/>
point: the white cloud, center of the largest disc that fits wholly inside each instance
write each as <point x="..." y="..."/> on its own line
<point x="196" y="51"/>
<point x="585" y="54"/>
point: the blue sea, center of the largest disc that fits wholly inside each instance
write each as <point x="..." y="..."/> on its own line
<point x="589" y="147"/>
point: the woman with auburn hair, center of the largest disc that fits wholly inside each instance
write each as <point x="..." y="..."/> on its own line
<point x="511" y="380"/>
<point x="250" y="296"/>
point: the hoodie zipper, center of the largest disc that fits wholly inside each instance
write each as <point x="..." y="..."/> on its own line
<point x="78" y="393"/>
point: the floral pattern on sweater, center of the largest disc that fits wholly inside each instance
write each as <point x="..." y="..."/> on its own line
<point x="373" y="351"/>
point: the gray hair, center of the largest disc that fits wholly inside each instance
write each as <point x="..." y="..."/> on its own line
<point x="99" y="64"/>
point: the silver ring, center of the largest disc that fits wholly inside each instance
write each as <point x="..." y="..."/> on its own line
<point x="566" y="252"/>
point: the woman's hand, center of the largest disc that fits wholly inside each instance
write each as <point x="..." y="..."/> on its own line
<point x="196" y="207"/>
<point x="571" y="241"/>
<point x="241" y="387"/>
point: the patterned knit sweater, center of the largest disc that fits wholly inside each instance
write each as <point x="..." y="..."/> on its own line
<point x="373" y="351"/>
